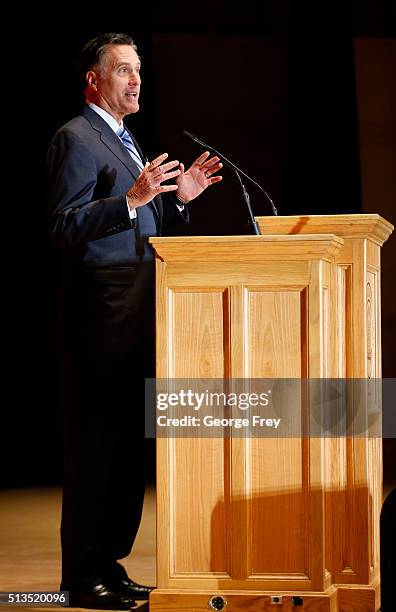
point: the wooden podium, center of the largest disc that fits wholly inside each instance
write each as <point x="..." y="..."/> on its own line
<point x="280" y="523"/>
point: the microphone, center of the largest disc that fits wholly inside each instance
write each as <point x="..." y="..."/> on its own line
<point x="237" y="170"/>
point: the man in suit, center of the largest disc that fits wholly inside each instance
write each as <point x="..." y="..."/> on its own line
<point x="105" y="201"/>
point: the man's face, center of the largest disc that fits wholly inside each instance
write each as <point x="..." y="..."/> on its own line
<point x="116" y="84"/>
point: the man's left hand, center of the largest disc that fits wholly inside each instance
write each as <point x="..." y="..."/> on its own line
<point x="192" y="182"/>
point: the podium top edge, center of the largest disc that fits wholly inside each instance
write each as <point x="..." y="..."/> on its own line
<point x="360" y="226"/>
<point x="247" y="248"/>
<point x="248" y="237"/>
<point x="340" y="218"/>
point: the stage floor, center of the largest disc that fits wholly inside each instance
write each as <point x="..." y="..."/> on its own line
<point x="30" y="544"/>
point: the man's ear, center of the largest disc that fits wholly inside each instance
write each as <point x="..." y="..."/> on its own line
<point x="91" y="78"/>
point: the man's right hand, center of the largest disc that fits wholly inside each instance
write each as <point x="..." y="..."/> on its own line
<point x="148" y="183"/>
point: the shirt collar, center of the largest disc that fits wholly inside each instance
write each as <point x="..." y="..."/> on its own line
<point x="115" y="126"/>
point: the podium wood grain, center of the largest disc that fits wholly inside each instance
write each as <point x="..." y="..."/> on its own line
<point x="250" y="517"/>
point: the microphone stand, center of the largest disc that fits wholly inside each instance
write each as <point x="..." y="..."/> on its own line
<point x="253" y="223"/>
<point x="238" y="172"/>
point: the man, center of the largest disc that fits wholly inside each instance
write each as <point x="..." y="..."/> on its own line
<point x="105" y="201"/>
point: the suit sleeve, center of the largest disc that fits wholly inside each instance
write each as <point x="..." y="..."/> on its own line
<point x="172" y="214"/>
<point x="75" y="216"/>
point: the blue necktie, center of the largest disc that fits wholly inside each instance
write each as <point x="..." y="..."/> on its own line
<point x="127" y="141"/>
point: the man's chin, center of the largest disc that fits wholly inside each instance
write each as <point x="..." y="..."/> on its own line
<point x="133" y="108"/>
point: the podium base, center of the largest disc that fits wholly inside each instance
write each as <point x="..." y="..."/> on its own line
<point x="336" y="599"/>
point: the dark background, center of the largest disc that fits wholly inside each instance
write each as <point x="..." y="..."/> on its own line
<point x="299" y="94"/>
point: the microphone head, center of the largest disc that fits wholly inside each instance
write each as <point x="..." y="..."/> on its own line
<point x="189" y="135"/>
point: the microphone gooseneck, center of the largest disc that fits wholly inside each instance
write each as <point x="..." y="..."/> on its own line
<point x="231" y="165"/>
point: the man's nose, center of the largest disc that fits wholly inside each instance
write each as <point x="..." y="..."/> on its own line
<point x="134" y="77"/>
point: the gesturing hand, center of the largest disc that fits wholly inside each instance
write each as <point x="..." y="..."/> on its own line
<point x="148" y="183"/>
<point x="192" y="182"/>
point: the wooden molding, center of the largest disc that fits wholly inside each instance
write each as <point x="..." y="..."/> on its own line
<point x="247" y="248"/>
<point x="370" y="226"/>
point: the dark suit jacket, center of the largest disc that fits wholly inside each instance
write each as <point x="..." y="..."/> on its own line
<point x="108" y="262"/>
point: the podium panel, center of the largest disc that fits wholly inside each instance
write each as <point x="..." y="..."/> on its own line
<point x="242" y="520"/>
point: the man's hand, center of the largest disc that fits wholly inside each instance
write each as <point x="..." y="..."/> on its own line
<point x="192" y="182"/>
<point x="148" y="183"/>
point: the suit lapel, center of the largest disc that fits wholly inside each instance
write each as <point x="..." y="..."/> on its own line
<point x="111" y="140"/>
<point x="114" y="144"/>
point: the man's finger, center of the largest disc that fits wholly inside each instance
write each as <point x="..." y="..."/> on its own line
<point x="200" y="160"/>
<point x="212" y="169"/>
<point x="170" y="175"/>
<point x="211" y="162"/>
<point x="215" y="179"/>
<point x="168" y="188"/>
<point x="165" y="167"/>
<point x="156" y="162"/>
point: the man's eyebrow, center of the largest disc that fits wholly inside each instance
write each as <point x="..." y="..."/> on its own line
<point x="127" y="63"/>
